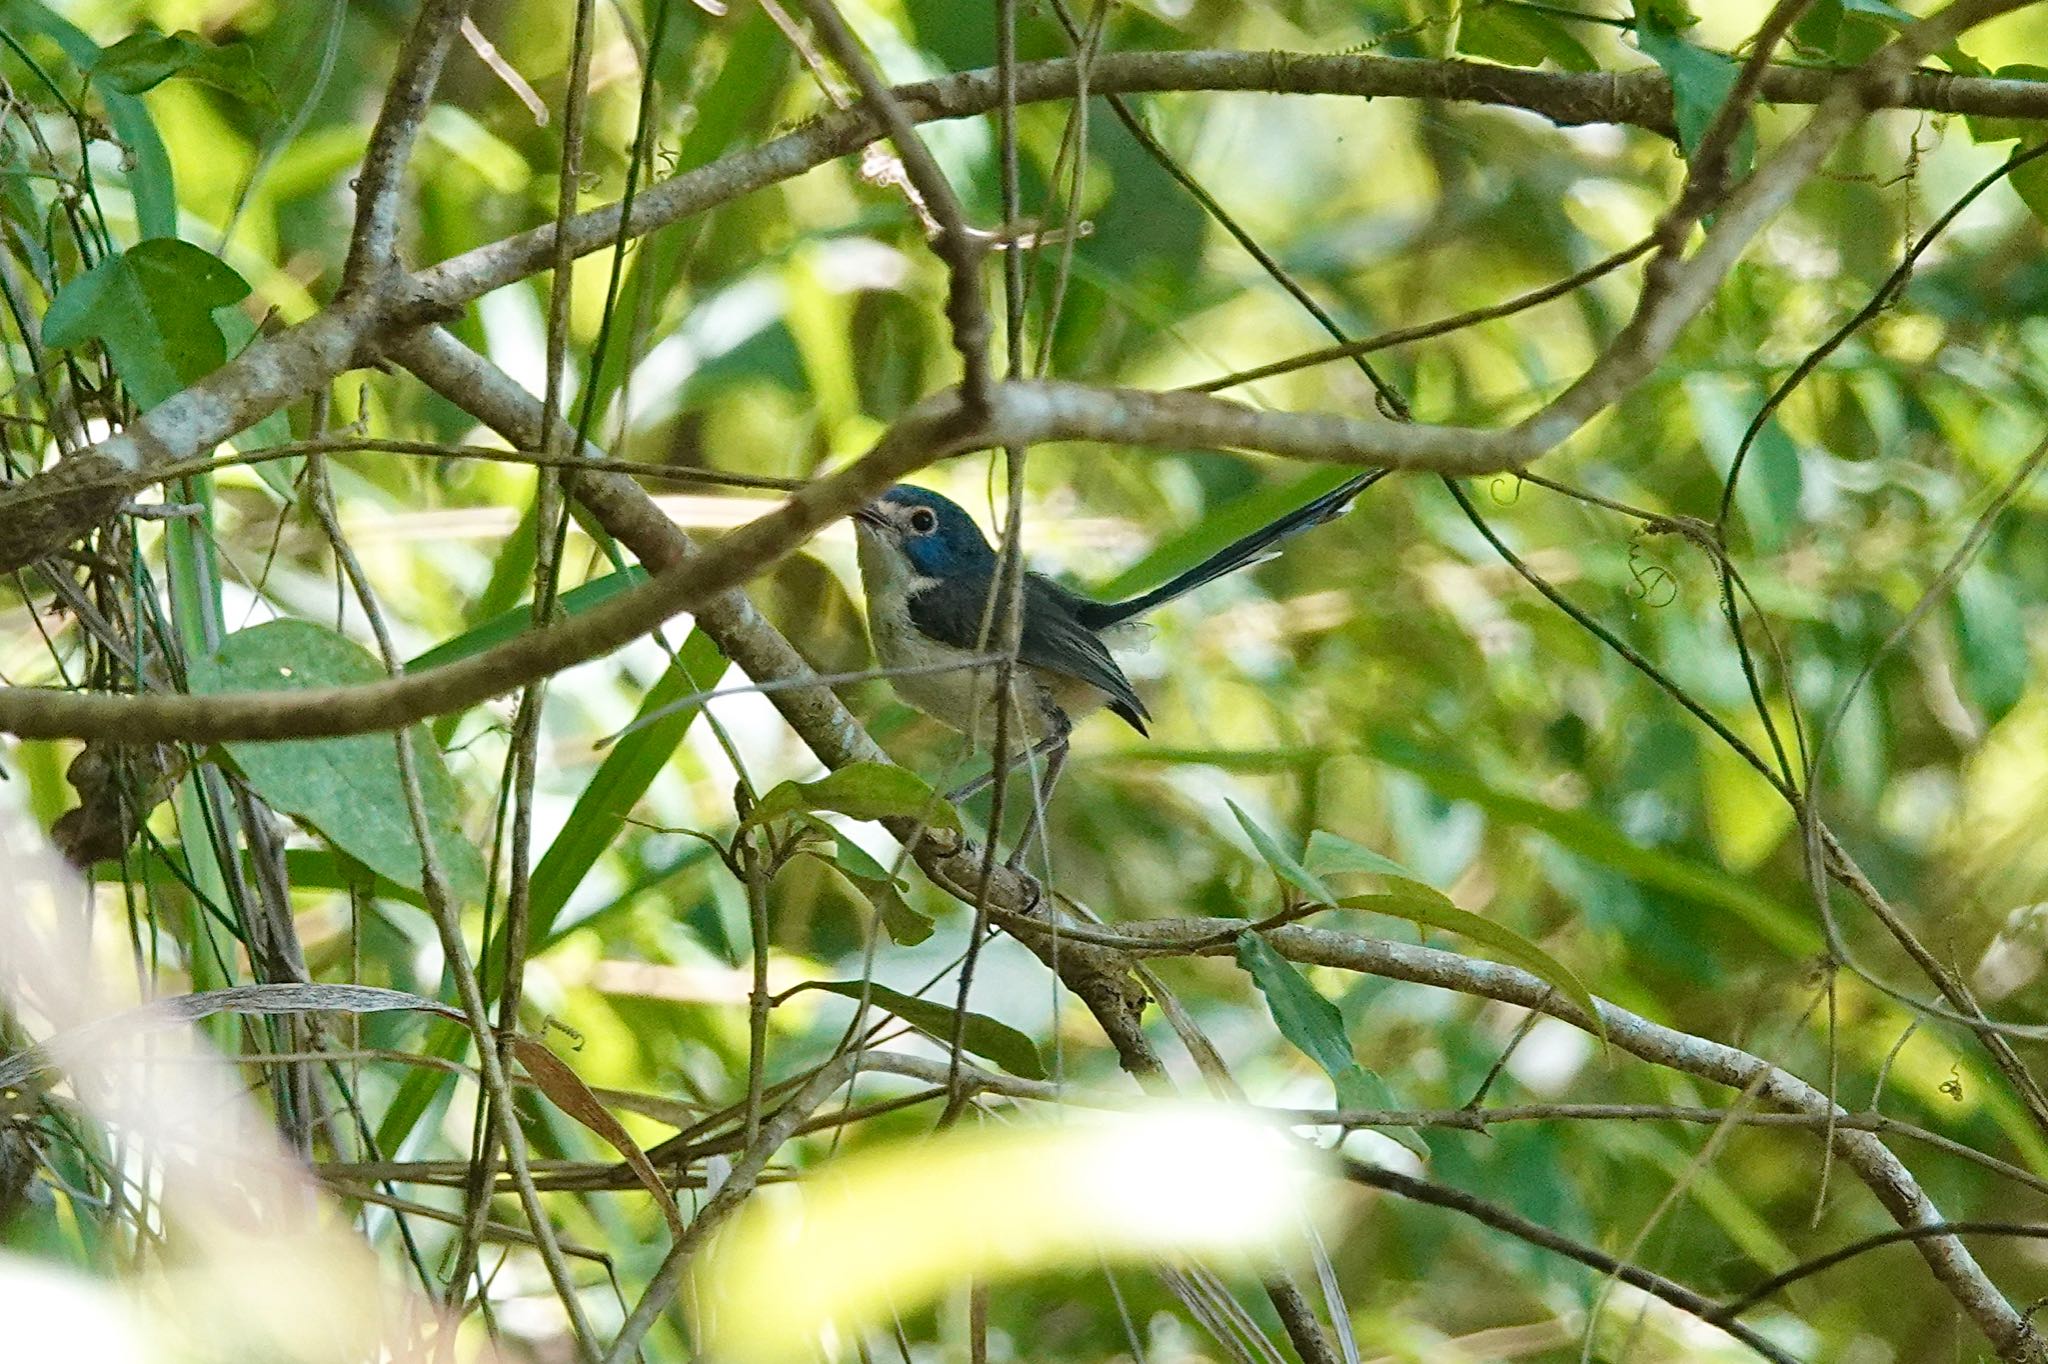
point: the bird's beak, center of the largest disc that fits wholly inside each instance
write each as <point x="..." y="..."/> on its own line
<point x="871" y="515"/>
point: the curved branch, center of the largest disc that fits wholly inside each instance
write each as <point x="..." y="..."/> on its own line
<point x="47" y="512"/>
<point x="1888" y="1178"/>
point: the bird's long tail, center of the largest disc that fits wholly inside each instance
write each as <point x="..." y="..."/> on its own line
<point x="1252" y="549"/>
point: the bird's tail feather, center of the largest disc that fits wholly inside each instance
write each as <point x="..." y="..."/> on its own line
<point x="1255" y="548"/>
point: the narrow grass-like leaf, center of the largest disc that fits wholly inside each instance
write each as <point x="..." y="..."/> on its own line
<point x="1598" y="841"/>
<point x="984" y="1036"/>
<point x="158" y="1014"/>
<point x="628" y="769"/>
<point x="519" y="619"/>
<point x="1435" y="911"/>
<point x="1285" y="864"/>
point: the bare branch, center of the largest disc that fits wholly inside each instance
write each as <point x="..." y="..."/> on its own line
<point x="373" y="246"/>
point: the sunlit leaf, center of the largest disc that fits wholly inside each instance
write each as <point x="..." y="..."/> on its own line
<point x="1521" y="35"/>
<point x="628" y="769"/>
<point x="894" y="1225"/>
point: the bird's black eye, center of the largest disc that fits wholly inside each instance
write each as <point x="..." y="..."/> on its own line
<point x="924" y="521"/>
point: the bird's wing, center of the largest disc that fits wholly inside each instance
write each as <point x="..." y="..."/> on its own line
<point x="1053" y="638"/>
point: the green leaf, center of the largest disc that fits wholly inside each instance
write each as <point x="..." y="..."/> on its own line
<point x="1303" y="1016"/>
<point x="348" y="789"/>
<point x="1848" y="32"/>
<point x="1284" y="864"/>
<point x="1671" y="14"/>
<point x="145" y="59"/>
<point x="1314" y="1026"/>
<point x="519" y="619"/>
<point x="1436" y="911"/>
<point x="1700" y="84"/>
<point x="862" y="790"/>
<point x="1361" y="1088"/>
<point x="1333" y="855"/>
<point x="984" y="1036"/>
<point x="906" y="926"/>
<point x="1593" y="838"/>
<point x="152" y="308"/>
<point x="628" y="769"/>
<point x="149" y="176"/>
<point x="1520" y="36"/>
<point x="1991" y="641"/>
<point x="1230" y="519"/>
<point x="2031" y="183"/>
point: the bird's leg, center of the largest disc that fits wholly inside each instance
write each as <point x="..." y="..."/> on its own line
<point x="1059" y="729"/>
<point x="986" y="779"/>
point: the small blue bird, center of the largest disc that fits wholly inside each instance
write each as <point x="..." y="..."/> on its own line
<point x="929" y="574"/>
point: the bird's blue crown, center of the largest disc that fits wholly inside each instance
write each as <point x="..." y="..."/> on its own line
<point x="953" y="548"/>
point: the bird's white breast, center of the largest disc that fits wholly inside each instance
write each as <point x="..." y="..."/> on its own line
<point x="935" y="677"/>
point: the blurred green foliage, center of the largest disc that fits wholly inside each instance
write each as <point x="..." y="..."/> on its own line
<point x="1389" y="680"/>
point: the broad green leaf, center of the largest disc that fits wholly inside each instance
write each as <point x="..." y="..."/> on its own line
<point x="519" y="619"/>
<point x="862" y="790"/>
<point x="144" y="60"/>
<point x="1700" y="84"/>
<point x="1991" y="641"/>
<point x="1285" y="864"/>
<point x="984" y="1036"/>
<point x="348" y="788"/>
<point x="152" y="308"/>
<point x="628" y="769"/>
<point x="1334" y="855"/>
<point x="1434" y="911"/>
<point x="1520" y="36"/>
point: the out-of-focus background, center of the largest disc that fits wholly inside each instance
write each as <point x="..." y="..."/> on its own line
<point x="1391" y="679"/>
